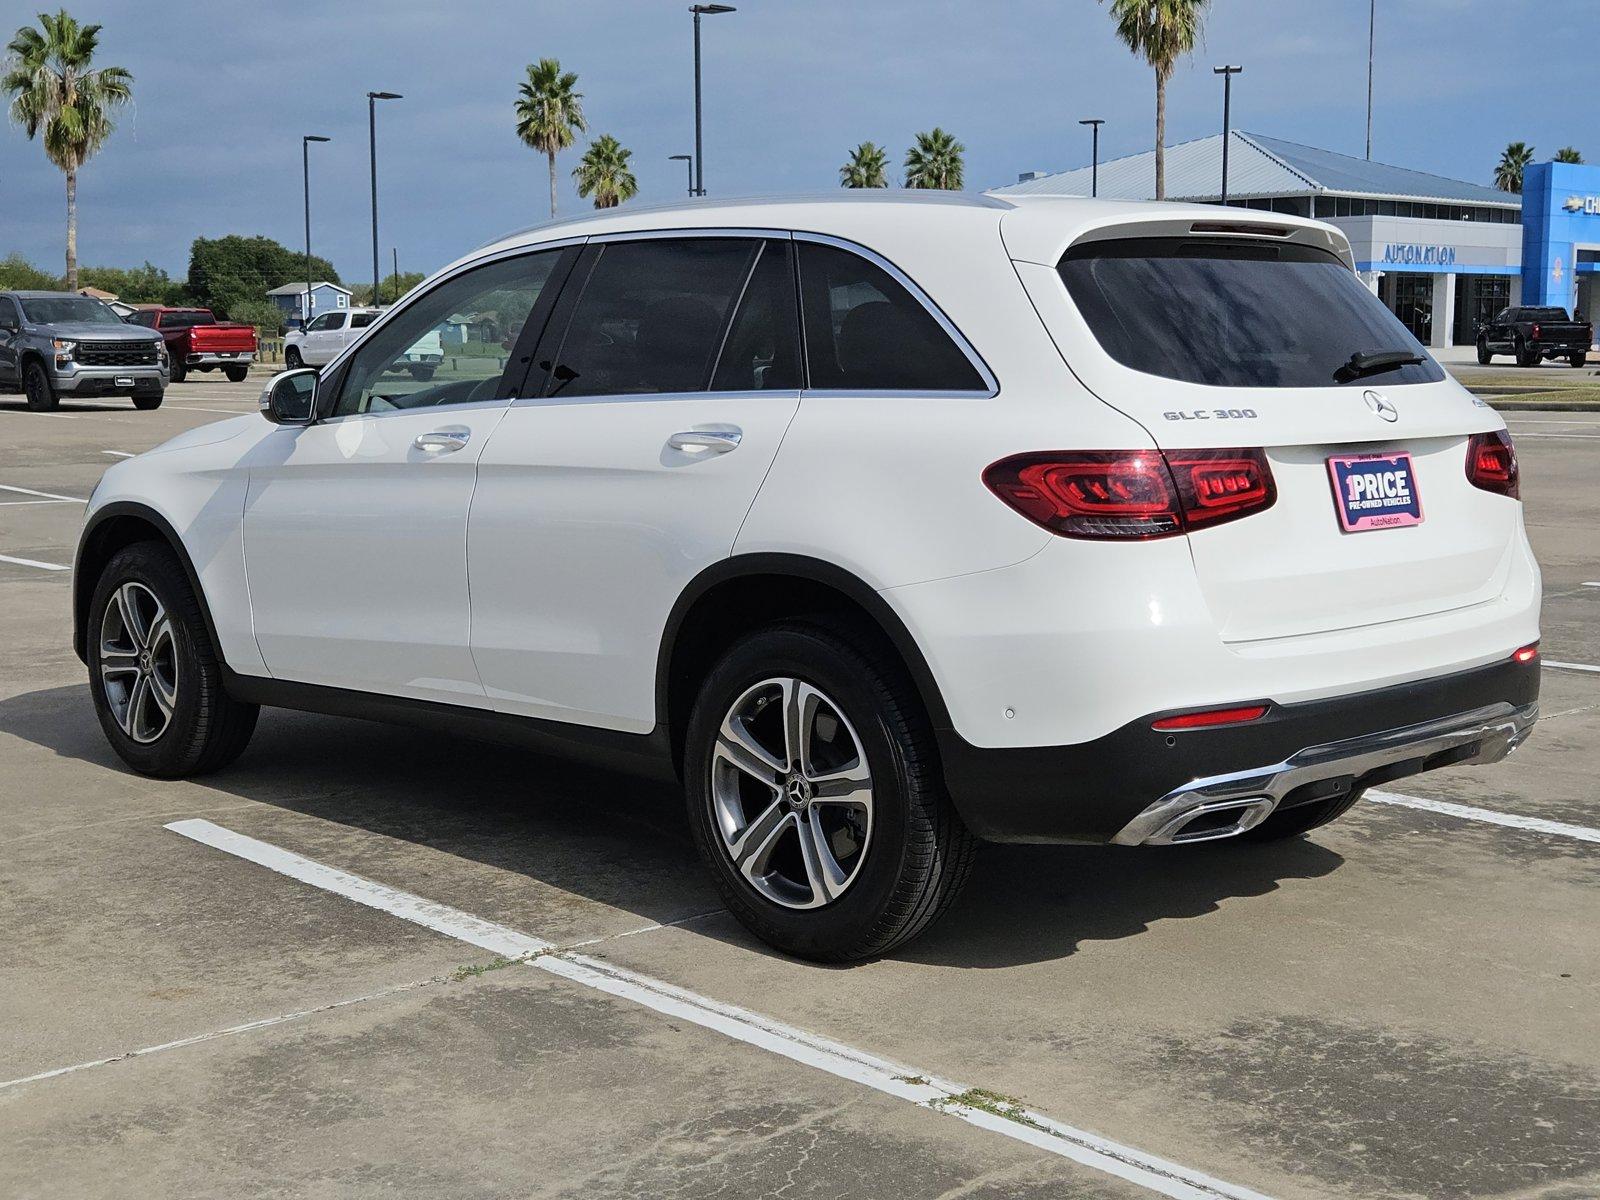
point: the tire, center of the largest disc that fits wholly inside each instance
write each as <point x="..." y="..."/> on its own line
<point x="1484" y="356"/>
<point x="1301" y="819"/>
<point x="37" y="387"/>
<point x="1527" y="356"/>
<point x="292" y="360"/>
<point x="181" y="722"/>
<point x="896" y="861"/>
<point x="236" y="374"/>
<point x="421" y="374"/>
<point x="145" y="401"/>
<point x="177" y="371"/>
<point x="1580" y="360"/>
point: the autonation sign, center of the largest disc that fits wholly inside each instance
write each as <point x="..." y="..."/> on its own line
<point x="1416" y="254"/>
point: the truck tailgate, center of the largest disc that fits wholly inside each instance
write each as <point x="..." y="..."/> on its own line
<point x="222" y="339"/>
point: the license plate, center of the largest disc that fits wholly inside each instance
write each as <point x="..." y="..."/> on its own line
<point x="1374" y="491"/>
<point x="227" y="353"/>
<point x="123" y="381"/>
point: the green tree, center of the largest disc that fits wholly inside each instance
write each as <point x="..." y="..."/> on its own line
<point x="868" y="167"/>
<point x="55" y="92"/>
<point x="1513" y="161"/>
<point x="935" y="161"/>
<point x="604" y="174"/>
<point x="1163" y="31"/>
<point x="1569" y="154"/>
<point x="391" y="289"/>
<point x="549" y="113"/>
<point x="18" y="274"/>
<point x="147" y="284"/>
<point x="227" y="272"/>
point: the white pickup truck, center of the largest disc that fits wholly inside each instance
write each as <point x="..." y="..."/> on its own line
<point x="326" y="337"/>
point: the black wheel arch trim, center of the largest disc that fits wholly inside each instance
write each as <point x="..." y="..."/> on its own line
<point x="815" y="570"/>
<point x="83" y="586"/>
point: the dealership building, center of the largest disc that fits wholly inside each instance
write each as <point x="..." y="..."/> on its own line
<point x="1442" y="253"/>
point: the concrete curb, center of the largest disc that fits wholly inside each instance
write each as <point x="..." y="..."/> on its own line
<point x="1513" y="404"/>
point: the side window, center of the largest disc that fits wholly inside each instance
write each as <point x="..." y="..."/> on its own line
<point x="762" y="349"/>
<point x="451" y="344"/>
<point x="147" y="319"/>
<point x="323" y="322"/>
<point x="362" y="320"/>
<point x="865" y="332"/>
<point x="651" y="316"/>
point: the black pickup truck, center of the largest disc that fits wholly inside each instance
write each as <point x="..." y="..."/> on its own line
<point x="1534" y="334"/>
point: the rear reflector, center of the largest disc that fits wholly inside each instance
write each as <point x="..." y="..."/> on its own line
<point x="1211" y="717"/>
<point x="1492" y="464"/>
<point x="1527" y="653"/>
<point x="1132" y="494"/>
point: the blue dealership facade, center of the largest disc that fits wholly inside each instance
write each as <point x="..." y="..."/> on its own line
<point x="1444" y="254"/>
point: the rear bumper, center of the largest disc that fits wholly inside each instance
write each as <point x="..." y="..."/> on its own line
<point x="1137" y="786"/>
<point x="209" y="358"/>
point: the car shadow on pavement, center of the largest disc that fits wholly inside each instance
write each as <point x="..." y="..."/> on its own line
<point x="624" y="843"/>
<point x="18" y="404"/>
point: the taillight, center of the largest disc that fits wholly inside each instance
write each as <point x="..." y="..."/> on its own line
<point x="1211" y="718"/>
<point x="1492" y="464"/>
<point x="1132" y="494"/>
<point x="1527" y="653"/>
<point x="1535" y="331"/>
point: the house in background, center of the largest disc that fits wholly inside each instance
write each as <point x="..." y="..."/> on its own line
<point x="325" y="297"/>
<point x="108" y="298"/>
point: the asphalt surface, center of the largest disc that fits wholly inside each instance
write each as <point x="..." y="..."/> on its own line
<point x="1406" y="1004"/>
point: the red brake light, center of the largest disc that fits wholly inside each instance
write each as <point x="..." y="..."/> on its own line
<point x="1536" y="331"/>
<point x="1215" y="716"/>
<point x="1492" y="464"/>
<point x="1528" y="653"/>
<point x="1132" y="494"/>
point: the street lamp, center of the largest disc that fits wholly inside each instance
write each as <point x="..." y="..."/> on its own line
<point x="1372" y="43"/>
<point x="699" y="10"/>
<point x="1227" y="74"/>
<point x="688" y="161"/>
<point x="372" y="148"/>
<point x="305" y="171"/>
<point x="1094" y="171"/>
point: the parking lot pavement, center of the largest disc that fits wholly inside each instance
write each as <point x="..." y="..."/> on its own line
<point x="1402" y="1005"/>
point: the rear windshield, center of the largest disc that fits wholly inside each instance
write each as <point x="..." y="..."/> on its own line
<point x="186" y="320"/>
<point x="1235" y="313"/>
<point x="1544" y="314"/>
<point x="67" y="310"/>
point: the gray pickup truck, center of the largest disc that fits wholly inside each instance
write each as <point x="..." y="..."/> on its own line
<point x="55" y="344"/>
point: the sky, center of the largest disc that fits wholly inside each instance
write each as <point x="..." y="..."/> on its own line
<point x="225" y="88"/>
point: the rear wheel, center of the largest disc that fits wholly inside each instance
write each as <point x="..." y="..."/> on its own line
<point x="815" y="798"/>
<point x="1302" y="818"/>
<point x="145" y="401"/>
<point x="1580" y="359"/>
<point x="1484" y="356"/>
<point x="236" y="374"/>
<point x="292" y="359"/>
<point x="37" y="387"/>
<point x="421" y="374"/>
<point x="154" y="673"/>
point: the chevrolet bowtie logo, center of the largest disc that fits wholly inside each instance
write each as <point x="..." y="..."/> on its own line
<point x="1573" y="204"/>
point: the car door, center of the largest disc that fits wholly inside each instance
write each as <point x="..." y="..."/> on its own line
<point x="355" y="526"/>
<point x="10" y="335"/>
<point x="324" y="339"/>
<point x="669" y="372"/>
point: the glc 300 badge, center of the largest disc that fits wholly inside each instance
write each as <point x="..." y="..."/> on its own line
<point x="1380" y="404"/>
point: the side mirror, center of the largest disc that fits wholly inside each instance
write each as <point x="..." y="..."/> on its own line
<point x="290" y="398"/>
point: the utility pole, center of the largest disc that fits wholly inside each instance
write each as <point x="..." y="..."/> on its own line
<point x="305" y="173"/>
<point x="1094" y="171"/>
<point x="1227" y="74"/>
<point x="372" y="148"/>
<point x="1372" y="40"/>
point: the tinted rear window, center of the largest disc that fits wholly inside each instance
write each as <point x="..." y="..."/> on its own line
<point x="1544" y="314"/>
<point x="186" y="320"/>
<point x="1234" y="313"/>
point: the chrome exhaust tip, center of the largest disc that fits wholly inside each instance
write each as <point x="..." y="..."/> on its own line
<point x="1211" y="821"/>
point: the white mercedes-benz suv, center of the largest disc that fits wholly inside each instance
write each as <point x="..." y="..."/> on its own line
<point x="884" y="523"/>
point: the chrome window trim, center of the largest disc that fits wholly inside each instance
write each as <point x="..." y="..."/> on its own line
<point x="719" y="231"/>
<point x="933" y="310"/>
<point x="464" y="406"/>
<point x="791" y="394"/>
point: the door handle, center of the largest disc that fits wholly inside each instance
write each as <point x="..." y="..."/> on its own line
<point x="709" y="441"/>
<point x="443" y="440"/>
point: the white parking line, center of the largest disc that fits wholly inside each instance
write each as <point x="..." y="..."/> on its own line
<point x="1580" y="833"/>
<point x="227" y="412"/>
<point x="30" y="562"/>
<point x="22" y="491"/>
<point x="1566" y="666"/>
<point x="117" y="453"/>
<point x="844" y="1062"/>
<point x="1579" y="436"/>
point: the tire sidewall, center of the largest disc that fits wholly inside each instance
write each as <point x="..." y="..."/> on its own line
<point x="42" y="397"/>
<point x="849" y="683"/>
<point x="157" y="570"/>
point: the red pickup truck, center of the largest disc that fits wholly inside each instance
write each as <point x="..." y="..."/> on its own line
<point x="197" y="341"/>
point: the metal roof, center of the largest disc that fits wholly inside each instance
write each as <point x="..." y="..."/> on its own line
<point x="294" y="289"/>
<point x="1260" y="166"/>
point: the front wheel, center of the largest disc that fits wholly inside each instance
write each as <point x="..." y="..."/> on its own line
<point x="236" y="374"/>
<point x="145" y="401"/>
<point x="292" y="359"/>
<point x="815" y="797"/>
<point x="37" y="387"/>
<point x="1484" y="356"/>
<point x="153" y="670"/>
<point x="421" y="374"/>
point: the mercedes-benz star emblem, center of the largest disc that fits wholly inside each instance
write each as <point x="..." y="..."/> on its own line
<point x="1380" y="404"/>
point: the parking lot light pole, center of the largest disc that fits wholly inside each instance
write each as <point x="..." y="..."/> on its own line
<point x="1094" y="170"/>
<point x="1227" y="74"/>
<point x="372" y="148"/>
<point x="305" y="171"/>
<point x="688" y="161"/>
<point x="699" y="166"/>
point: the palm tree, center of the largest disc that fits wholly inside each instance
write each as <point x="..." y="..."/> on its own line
<point x="603" y="173"/>
<point x="935" y="161"/>
<point x="1163" y="31"/>
<point x="868" y="167"/>
<point x="53" y="90"/>
<point x="549" y="113"/>
<point x="1508" y="174"/>
<point x="1569" y="154"/>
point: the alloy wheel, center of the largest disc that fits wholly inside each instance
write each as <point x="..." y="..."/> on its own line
<point x="139" y="662"/>
<point x="791" y="793"/>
